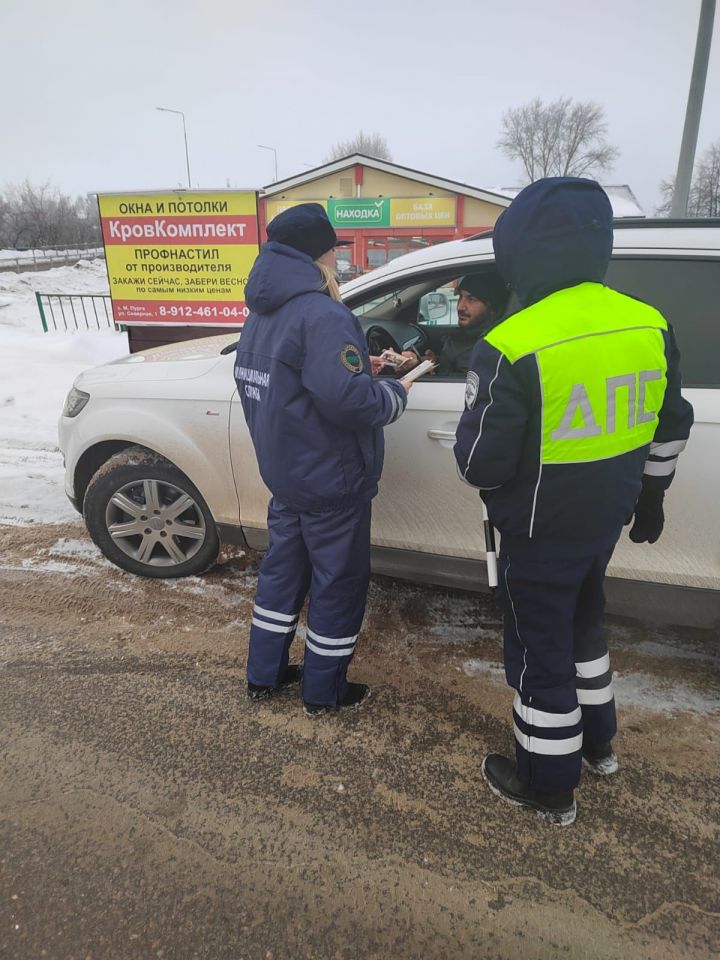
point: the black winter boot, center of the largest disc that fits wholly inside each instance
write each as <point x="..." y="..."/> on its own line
<point x="292" y="675"/>
<point x="501" y="776"/>
<point x="600" y="758"/>
<point x="355" y="695"/>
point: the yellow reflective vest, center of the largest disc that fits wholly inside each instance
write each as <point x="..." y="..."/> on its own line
<point x="563" y="402"/>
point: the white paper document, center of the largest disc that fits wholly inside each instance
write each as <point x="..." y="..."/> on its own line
<point x="425" y="367"/>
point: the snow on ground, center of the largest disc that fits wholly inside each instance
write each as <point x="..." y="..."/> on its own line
<point x="637" y="690"/>
<point x="36" y="371"/>
<point x="17" y="290"/>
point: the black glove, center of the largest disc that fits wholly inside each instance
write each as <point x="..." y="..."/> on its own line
<point x="649" y="515"/>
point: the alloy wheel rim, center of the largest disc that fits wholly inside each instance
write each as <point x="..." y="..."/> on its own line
<point x="155" y="523"/>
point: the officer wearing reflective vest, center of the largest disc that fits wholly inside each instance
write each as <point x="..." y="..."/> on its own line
<point x="316" y="418"/>
<point x="573" y="423"/>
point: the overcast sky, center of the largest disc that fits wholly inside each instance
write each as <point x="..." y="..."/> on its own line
<point x="80" y="80"/>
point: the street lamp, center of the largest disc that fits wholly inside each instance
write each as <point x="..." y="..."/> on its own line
<point x="187" y="156"/>
<point x="262" y="147"/>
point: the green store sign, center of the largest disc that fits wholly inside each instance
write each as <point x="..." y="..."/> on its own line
<point x="359" y="213"/>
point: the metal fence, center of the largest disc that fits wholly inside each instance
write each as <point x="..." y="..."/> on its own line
<point x="45" y="257"/>
<point x="69" y="312"/>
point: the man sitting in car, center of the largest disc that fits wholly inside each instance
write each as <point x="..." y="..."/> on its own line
<point x="482" y="301"/>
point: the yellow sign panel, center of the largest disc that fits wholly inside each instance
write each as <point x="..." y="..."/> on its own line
<point x="179" y="258"/>
<point x="274" y="207"/>
<point x="422" y="212"/>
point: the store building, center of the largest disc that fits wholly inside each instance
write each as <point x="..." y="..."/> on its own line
<point x="385" y="210"/>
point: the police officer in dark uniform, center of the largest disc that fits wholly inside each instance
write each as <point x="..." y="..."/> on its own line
<point x="316" y="418"/>
<point x="573" y="422"/>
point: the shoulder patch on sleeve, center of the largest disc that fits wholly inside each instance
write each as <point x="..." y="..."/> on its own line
<point x="351" y="359"/>
<point x="472" y="385"/>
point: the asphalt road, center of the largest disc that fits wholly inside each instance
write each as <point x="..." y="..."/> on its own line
<point x="147" y="809"/>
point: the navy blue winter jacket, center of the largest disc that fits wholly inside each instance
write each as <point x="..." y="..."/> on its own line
<point x="314" y="411"/>
<point x="553" y="248"/>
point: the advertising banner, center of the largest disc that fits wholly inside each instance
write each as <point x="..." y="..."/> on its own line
<point x="376" y="212"/>
<point x="422" y="212"/>
<point x="360" y="213"/>
<point x="179" y="259"/>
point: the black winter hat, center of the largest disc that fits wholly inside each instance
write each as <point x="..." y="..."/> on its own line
<point x="488" y="287"/>
<point x="306" y="228"/>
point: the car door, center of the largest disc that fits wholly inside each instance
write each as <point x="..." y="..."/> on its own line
<point x="423" y="505"/>
<point x="686" y="290"/>
<point x="253" y="495"/>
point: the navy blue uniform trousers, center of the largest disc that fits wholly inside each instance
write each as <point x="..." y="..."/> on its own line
<point x="556" y="659"/>
<point x="328" y="555"/>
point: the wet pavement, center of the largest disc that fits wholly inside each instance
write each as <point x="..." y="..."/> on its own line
<point x="147" y="809"/>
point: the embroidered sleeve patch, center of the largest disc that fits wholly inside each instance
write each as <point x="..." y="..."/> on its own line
<point x="472" y="385"/>
<point x="351" y="359"/>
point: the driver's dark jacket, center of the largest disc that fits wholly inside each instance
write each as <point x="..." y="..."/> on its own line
<point x="314" y="411"/>
<point x="454" y="359"/>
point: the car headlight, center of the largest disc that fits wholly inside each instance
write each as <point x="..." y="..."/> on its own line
<point x="74" y="402"/>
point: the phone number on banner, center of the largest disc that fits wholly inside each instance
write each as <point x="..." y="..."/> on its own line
<point x="185" y="311"/>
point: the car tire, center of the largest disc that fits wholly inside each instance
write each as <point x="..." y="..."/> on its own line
<point x="148" y="518"/>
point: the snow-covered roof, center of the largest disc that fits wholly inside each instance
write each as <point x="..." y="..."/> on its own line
<point x="335" y="166"/>
<point x="623" y="200"/>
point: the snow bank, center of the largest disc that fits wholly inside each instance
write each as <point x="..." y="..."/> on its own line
<point x="36" y="371"/>
<point x="17" y="290"/>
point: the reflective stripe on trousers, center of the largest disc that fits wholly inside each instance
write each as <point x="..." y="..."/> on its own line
<point x="325" y="554"/>
<point x="557" y="660"/>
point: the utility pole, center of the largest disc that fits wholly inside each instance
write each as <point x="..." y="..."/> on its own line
<point x="683" y="178"/>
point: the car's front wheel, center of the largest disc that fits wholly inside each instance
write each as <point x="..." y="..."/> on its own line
<point x="148" y="518"/>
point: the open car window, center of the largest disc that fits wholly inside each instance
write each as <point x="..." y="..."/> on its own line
<point x="421" y="316"/>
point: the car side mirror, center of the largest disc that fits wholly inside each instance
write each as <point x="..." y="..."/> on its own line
<point x="434" y="307"/>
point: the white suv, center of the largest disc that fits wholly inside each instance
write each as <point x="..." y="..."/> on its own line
<point x="159" y="460"/>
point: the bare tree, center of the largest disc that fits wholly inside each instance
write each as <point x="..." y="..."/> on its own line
<point x="25" y="215"/>
<point x="371" y="144"/>
<point x="704" y="199"/>
<point x="41" y="216"/>
<point x="558" y="139"/>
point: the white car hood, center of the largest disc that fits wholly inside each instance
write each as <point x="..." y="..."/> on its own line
<point x="173" y="361"/>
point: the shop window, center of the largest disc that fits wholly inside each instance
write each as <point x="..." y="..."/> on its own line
<point x="377" y="254"/>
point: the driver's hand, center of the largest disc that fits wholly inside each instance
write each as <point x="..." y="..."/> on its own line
<point x="433" y="358"/>
<point x="412" y="360"/>
<point x="376" y="365"/>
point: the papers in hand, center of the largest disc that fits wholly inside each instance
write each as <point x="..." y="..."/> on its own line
<point x="425" y="367"/>
<point x="392" y="359"/>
